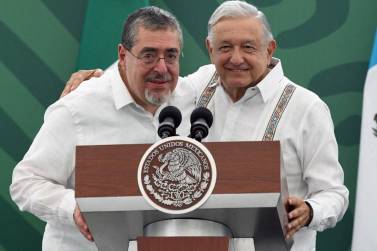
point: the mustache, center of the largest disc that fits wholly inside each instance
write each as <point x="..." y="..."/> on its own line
<point x="155" y="76"/>
<point x="231" y="66"/>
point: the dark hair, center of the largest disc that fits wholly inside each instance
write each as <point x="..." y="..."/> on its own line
<point x="150" y="18"/>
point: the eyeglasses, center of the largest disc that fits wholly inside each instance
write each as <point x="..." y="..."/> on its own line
<point x="151" y="57"/>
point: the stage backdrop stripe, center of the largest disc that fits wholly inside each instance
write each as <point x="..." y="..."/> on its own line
<point x="102" y="31"/>
<point x="28" y="117"/>
<point x="44" y="34"/>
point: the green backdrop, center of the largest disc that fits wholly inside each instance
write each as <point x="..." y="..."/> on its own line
<point x="325" y="46"/>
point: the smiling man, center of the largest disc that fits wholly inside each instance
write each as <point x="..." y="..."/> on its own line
<point x="251" y="99"/>
<point x="120" y="107"/>
<point x="149" y="64"/>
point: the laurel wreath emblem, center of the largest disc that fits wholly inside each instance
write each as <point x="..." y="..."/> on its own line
<point x="177" y="196"/>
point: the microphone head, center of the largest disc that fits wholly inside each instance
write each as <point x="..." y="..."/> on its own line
<point x="170" y="112"/>
<point x="202" y="113"/>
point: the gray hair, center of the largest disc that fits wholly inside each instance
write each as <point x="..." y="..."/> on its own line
<point x="150" y="18"/>
<point x="233" y="9"/>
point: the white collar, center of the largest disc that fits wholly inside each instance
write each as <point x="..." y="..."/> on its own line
<point x="122" y="96"/>
<point x="267" y="86"/>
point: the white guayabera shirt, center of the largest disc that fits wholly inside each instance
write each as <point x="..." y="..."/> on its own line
<point x="100" y="111"/>
<point x="306" y="133"/>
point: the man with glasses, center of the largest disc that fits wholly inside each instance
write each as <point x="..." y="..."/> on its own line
<point x="120" y="107"/>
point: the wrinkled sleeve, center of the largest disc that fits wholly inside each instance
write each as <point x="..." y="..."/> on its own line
<point x="40" y="182"/>
<point x="322" y="171"/>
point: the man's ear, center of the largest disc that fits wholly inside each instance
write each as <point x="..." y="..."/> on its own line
<point x="209" y="49"/>
<point x="271" y="47"/>
<point x="121" y="53"/>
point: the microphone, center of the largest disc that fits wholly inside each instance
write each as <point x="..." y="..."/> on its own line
<point x="201" y="120"/>
<point x="170" y="118"/>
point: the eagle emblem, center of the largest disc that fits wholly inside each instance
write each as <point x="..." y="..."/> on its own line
<point x="179" y="165"/>
<point x="178" y="179"/>
<point x="177" y="175"/>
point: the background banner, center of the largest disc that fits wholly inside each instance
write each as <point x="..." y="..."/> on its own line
<point x="325" y="46"/>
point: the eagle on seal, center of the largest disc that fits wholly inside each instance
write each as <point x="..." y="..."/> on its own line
<point x="179" y="165"/>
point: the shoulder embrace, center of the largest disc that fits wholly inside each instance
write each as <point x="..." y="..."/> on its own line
<point x="200" y="77"/>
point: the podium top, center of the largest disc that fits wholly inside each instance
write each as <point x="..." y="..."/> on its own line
<point x="243" y="167"/>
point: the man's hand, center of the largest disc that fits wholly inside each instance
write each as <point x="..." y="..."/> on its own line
<point x="299" y="215"/>
<point x="81" y="224"/>
<point x="78" y="77"/>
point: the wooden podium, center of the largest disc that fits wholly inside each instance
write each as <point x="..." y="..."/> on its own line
<point x="248" y="197"/>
